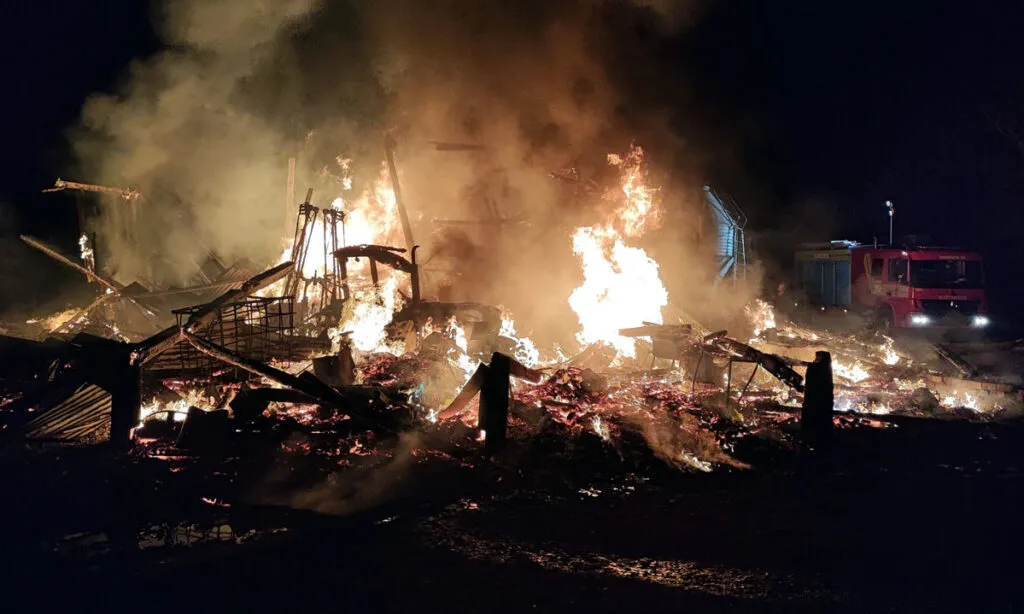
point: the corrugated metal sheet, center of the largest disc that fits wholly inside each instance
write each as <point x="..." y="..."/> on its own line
<point x="84" y="415"/>
<point x="728" y="224"/>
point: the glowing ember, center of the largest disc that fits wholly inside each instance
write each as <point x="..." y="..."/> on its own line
<point x="525" y="350"/>
<point x="878" y="409"/>
<point x="86" y="252"/>
<point x="761" y="315"/>
<point x="457" y="333"/>
<point x="621" y="284"/>
<point x="958" y="400"/>
<point x="889" y="355"/>
<point x="854" y="373"/>
<point x="909" y="385"/>
<point x="177" y="409"/>
<point x="55" y="321"/>
<point x="367" y="317"/>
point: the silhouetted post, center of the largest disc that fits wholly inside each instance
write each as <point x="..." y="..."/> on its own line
<point x="494" y="403"/>
<point x="124" y="382"/>
<point x="816" y="416"/>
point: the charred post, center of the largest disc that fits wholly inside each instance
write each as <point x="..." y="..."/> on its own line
<point x="494" y="403"/>
<point x="124" y="384"/>
<point x="816" y="414"/>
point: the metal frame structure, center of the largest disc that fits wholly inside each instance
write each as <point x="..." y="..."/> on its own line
<point x="258" y="328"/>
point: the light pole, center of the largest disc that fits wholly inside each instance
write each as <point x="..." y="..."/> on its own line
<point x="888" y="204"/>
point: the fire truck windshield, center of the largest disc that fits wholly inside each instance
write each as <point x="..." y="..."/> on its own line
<point x="961" y="274"/>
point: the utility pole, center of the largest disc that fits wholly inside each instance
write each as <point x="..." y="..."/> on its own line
<point x="888" y="204"/>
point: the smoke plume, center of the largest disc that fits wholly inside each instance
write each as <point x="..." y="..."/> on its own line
<point x="204" y="129"/>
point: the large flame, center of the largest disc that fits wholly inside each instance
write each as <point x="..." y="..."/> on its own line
<point x="621" y="284"/>
<point x="371" y="312"/>
<point x="370" y="218"/>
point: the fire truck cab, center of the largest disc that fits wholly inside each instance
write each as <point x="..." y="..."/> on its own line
<point x="914" y="287"/>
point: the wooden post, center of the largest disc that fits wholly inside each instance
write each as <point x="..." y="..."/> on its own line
<point x="819" y="397"/>
<point x="743" y="392"/>
<point x="403" y="215"/>
<point x="494" y="403"/>
<point x="289" y="197"/>
<point x="728" y="385"/>
<point x="125" y="386"/>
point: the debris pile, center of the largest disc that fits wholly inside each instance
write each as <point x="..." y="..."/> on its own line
<point x="335" y="354"/>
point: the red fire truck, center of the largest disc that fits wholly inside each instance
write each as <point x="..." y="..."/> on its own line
<point x="913" y="287"/>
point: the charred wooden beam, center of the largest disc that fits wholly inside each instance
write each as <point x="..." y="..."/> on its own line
<point x="477" y="381"/>
<point x="111" y="285"/>
<point x="125" y="193"/>
<point x="520" y="371"/>
<point x="317" y="389"/>
<point x="470" y="390"/>
<point x="658" y="330"/>
<point x="952" y="358"/>
<point x="403" y="215"/>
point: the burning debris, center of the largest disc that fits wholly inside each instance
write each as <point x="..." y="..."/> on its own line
<point x="341" y="350"/>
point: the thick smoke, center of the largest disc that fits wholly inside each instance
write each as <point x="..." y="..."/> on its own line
<point x="205" y="128"/>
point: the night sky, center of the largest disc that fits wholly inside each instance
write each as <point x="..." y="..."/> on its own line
<point x="828" y="109"/>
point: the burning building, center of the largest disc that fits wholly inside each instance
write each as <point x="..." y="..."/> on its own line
<point x="514" y="283"/>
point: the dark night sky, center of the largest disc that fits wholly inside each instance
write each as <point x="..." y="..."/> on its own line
<point x="836" y="106"/>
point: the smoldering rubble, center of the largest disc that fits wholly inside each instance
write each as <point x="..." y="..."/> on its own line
<point x="342" y="357"/>
<point x="456" y="249"/>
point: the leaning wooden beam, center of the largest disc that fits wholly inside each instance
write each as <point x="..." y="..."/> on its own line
<point x="111" y="285"/>
<point x="148" y="349"/>
<point x="475" y="384"/>
<point x="467" y="393"/>
<point x="74" y="321"/>
<point x="521" y="371"/>
<point x="323" y="393"/>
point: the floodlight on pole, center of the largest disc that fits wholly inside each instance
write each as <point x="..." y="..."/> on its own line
<point x="888" y="204"/>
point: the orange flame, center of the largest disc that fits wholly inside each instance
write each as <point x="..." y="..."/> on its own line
<point x="621" y="284"/>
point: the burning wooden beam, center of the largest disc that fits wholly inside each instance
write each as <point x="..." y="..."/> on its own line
<point x="492" y="382"/>
<point x="658" y="330"/>
<point x="110" y="285"/>
<point x="61" y="185"/>
<point x="467" y="393"/>
<point x="317" y="390"/>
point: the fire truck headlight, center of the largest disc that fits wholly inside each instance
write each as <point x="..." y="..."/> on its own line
<point x="919" y="319"/>
<point x="980" y="321"/>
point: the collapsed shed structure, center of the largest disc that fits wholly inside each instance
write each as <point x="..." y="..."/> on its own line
<point x="341" y="336"/>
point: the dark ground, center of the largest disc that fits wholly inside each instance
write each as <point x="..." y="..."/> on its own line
<point x="923" y="517"/>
